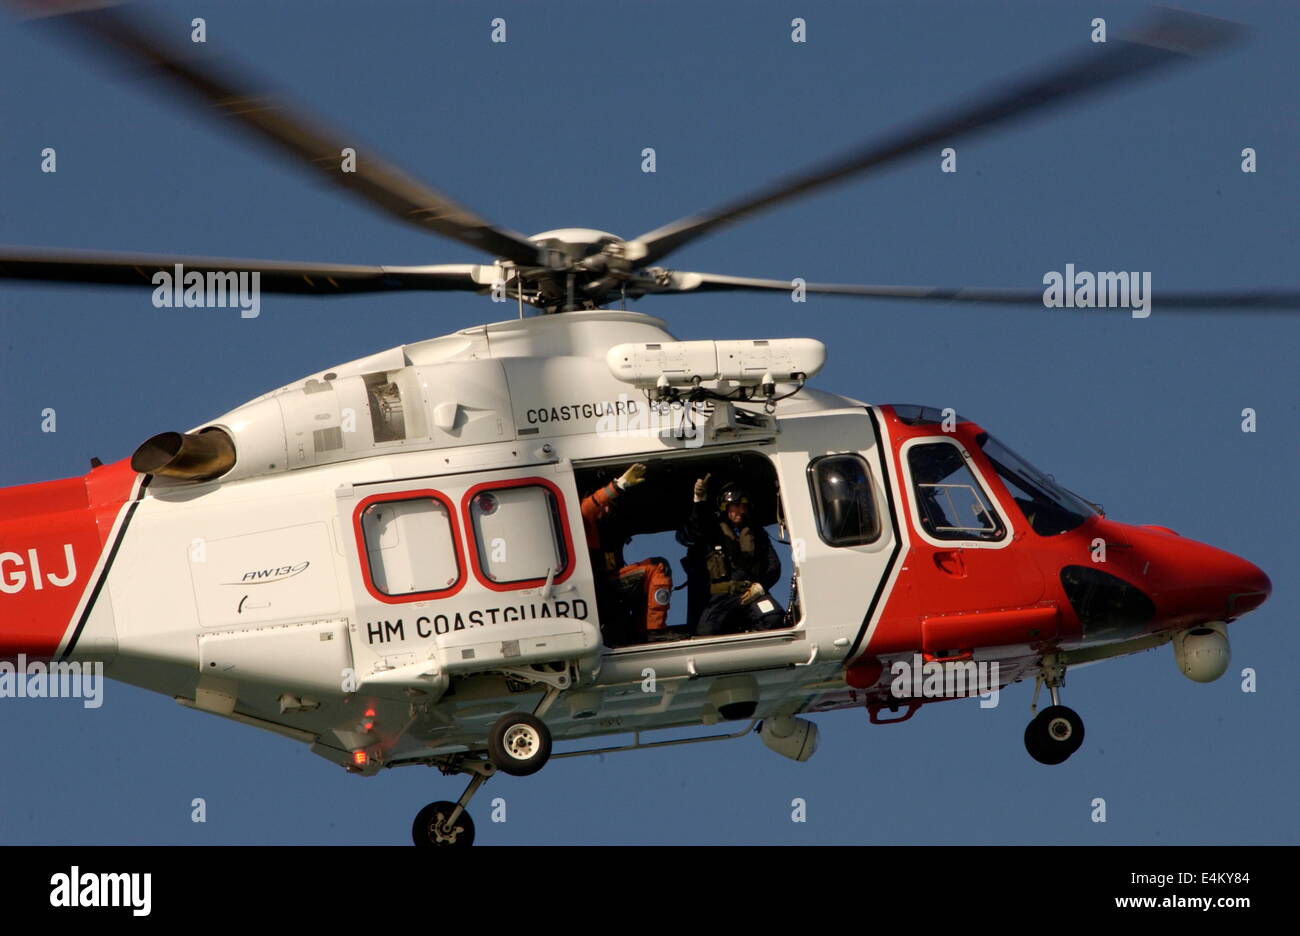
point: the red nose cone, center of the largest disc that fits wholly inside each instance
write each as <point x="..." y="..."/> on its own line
<point x="1252" y="589"/>
<point x="1191" y="582"/>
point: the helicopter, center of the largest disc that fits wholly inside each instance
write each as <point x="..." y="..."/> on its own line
<point x="385" y="560"/>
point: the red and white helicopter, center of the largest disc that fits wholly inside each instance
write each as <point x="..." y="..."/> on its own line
<point x="390" y="561"/>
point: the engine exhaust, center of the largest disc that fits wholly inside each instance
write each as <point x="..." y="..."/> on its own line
<point x="190" y="456"/>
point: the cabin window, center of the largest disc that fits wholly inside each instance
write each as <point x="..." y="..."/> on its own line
<point x="843" y="500"/>
<point x="519" y="534"/>
<point x="410" y="545"/>
<point x="950" y="503"/>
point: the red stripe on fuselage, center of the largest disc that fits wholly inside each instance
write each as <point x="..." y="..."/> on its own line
<point x="52" y="535"/>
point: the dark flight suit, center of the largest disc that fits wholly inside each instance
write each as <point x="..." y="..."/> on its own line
<point x="732" y="559"/>
<point x="633" y="598"/>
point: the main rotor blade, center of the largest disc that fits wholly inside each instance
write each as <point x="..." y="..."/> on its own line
<point x="1171" y="37"/>
<point x="374" y="180"/>
<point x="274" y="276"/>
<point x="1259" y="299"/>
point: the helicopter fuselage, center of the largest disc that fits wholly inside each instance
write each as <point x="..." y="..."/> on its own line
<point x="396" y="558"/>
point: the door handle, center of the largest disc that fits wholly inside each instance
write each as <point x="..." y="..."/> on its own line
<point x="951" y="562"/>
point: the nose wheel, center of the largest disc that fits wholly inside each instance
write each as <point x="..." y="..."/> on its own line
<point x="1057" y="731"/>
<point x="1054" y="734"/>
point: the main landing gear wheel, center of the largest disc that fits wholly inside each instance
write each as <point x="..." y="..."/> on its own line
<point x="1055" y="734"/>
<point x="519" y="744"/>
<point x="431" y="827"/>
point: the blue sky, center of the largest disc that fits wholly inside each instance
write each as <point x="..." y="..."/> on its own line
<point x="546" y="131"/>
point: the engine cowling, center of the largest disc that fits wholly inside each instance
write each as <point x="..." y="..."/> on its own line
<point x="1203" y="653"/>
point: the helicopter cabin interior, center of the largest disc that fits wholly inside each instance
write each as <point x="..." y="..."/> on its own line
<point x="651" y="520"/>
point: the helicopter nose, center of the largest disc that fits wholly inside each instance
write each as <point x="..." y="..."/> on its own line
<point x="1191" y="582"/>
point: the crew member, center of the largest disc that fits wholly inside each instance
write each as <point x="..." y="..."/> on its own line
<point x="739" y="560"/>
<point x="633" y="598"/>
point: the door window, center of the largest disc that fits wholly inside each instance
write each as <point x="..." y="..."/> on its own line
<point x="951" y="505"/>
<point x="410" y="545"/>
<point x="520" y="536"/>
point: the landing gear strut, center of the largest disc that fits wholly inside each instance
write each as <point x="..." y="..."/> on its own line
<point x="518" y="744"/>
<point x="1057" y="731"/>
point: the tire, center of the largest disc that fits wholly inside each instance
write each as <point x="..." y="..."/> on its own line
<point x="1055" y="734"/>
<point x="426" y="828"/>
<point x="1035" y="746"/>
<point x="519" y="744"/>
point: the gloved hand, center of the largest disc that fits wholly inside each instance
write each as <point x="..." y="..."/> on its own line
<point x="633" y="476"/>
<point x="752" y="594"/>
<point x="702" y="488"/>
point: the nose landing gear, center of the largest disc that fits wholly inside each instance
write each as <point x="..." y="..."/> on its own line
<point x="1057" y="731"/>
<point x="1054" y="734"/>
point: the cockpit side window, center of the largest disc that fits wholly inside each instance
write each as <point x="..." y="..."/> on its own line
<point x="844" y="501"/>
<point x="951" y="505"/>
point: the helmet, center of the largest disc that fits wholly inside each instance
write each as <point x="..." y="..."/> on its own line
<point x="732" y="494"/>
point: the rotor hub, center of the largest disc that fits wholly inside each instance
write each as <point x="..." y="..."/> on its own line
<point x="578" y="268"/>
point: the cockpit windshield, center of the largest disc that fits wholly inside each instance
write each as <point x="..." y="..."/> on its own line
<point x="1049" y="508"/>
